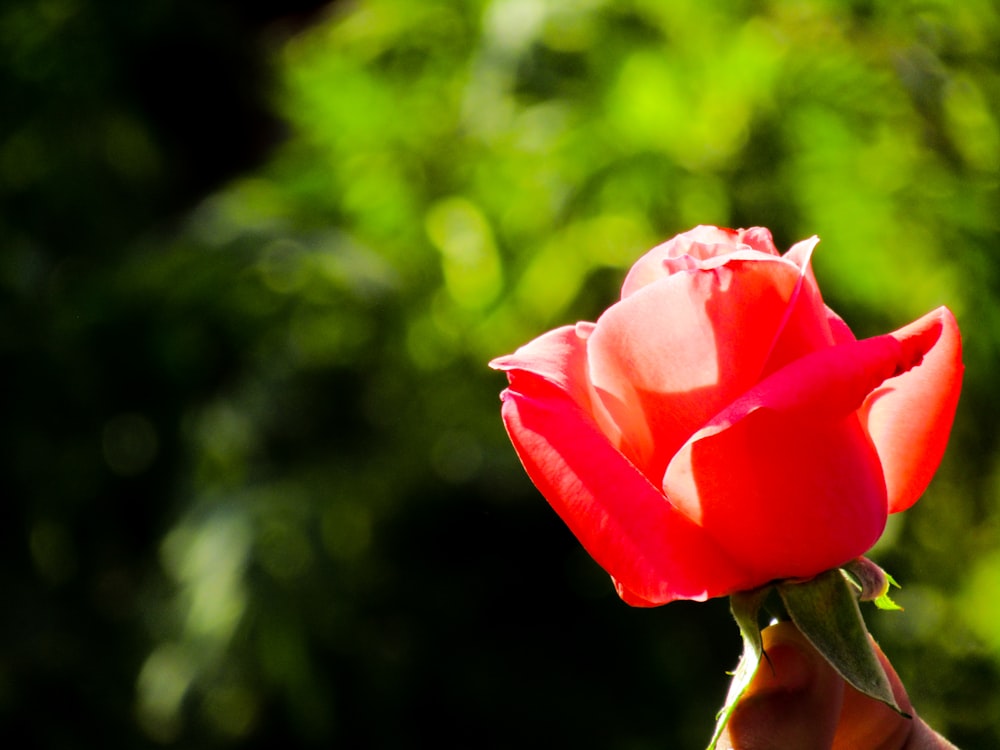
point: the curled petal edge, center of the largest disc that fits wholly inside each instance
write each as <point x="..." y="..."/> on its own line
<point x="909" y="417"/>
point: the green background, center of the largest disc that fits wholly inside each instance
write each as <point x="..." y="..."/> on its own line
<point x="255" y="257"/>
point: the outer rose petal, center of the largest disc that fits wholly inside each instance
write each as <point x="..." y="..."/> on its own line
<point x="786" y="497"/>
<point x="559" y="356"/>
<point x="790" y="458"/>
<point x="910" y="416"/>
<point x="654" y="552"/>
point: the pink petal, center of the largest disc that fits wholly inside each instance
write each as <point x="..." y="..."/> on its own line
<point x="805" y="327"/>
<point x="801" y="255"/>
<point x="786" y="478"/>
<point x="670" y="356"/>
<point x="560" y="358"/>
<point x="654" y="553"/>
<point x="786" y="497"/>
<point x="759" y="238"/>
<point x="700" y="243"/>
<point x="910" y="416"/>
<point x="842" y="333"/>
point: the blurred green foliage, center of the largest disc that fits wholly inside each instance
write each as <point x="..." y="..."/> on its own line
<point x="255" y="485"/>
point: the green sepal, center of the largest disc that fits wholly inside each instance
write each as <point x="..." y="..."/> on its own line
<point x="883" y="601"/>
<point x="745" y="607"/>
<point x="826" y="612"/>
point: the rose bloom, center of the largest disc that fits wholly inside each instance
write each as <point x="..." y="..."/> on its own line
<point x="720" y="427"/>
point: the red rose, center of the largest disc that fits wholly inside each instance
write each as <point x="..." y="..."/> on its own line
<point x="720" y="427"/>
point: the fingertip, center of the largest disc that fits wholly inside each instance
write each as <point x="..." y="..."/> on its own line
<point x="794" y="699"/>
<point x="789" y="664"/>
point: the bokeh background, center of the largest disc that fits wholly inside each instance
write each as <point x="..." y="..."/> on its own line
<point x="255" y="257"/>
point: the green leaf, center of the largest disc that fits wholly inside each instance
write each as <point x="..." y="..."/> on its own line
<point x="826" y="611"/>
<point x="745" y="607"/>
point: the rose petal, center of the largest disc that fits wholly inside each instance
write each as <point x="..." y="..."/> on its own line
<point x="701" y="243"/>
<point x="759" y="238"/>
<point x="669" y="357"/>
<point x="842" y="333"/>
<point x="805" y="327"/>
<point x="656" y="264"/>
<point x="791" y="457"/>
<point x="654" y="553"/>
<point x="786" y="497"/>
<point x="560" y="358"/>
<point x="801" y="255"/>
<point x="910" y="416"/>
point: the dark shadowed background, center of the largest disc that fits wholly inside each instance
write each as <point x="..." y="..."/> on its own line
<point x="254" y="257"/>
